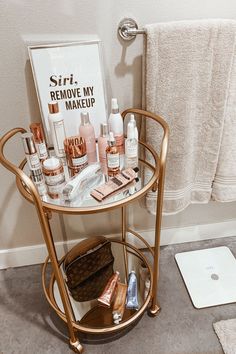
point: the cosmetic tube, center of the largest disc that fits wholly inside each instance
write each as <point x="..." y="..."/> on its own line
<point x="106" y="298"/>
<point x="132" y="292"/>
<point x="57" y="128"/>
<point x="119" y="303"/>
<point x="39" y="139"/>
<point x="34" y="163"/>
<point x="75" y="149"/>
<point x="147" y="288"/>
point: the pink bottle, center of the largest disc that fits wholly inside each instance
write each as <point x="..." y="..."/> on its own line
<point x="86" y="131"/>
<point x="102" y="145"/>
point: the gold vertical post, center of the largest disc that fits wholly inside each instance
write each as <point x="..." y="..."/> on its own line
<point x="124" y="221"/>
<point x="47" y="235"/>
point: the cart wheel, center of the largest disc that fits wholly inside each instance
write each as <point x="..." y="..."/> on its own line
<point x="153" y="312"/>
<point x="76" y="347"/>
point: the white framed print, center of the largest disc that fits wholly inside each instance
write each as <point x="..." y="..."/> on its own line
<point x="72" y="75"/>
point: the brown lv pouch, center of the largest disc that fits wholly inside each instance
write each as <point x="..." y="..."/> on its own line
<point x="88" y="267"/>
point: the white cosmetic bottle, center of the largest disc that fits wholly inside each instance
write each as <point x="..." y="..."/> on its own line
<point x="116" y="125"/>
<point x="132" y="121"/>
<point x="57" y="128"/>
<point x="131" y="147"/>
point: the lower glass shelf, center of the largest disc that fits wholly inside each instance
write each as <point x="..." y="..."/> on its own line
<point x="92" y="318"/>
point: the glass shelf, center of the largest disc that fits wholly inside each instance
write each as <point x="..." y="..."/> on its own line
<point x="147" y="175"/>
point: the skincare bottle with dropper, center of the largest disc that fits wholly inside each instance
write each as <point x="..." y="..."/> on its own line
<point x="57" y="128"/>
<point x="113" y="157"/>
<point x="131" y="147"/>
<point x="116" y="125"/>
<point x="86" y="131"/>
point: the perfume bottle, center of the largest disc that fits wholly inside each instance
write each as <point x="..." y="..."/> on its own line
<point x="116" y="125"/>
<point x="113" y="156"/>
<point x="57" y="129"/>
<point x="131" y="147"/>
<point x="86" y="131"/>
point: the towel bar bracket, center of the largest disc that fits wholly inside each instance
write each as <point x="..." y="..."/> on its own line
<point x="128" y="29"/>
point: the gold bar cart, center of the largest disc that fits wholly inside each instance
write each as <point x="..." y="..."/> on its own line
<point x="45" y="209"/>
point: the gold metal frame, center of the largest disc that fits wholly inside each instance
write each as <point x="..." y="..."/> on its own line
<point x="44" y="211"/>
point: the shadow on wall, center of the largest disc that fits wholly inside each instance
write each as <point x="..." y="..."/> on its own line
<point x="31" y="94"/>
<point x="23" y="224"/>
<point x="134" y="69"/>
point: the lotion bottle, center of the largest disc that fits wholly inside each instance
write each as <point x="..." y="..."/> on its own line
<point x="131" y="147"/>
<point x="116" y="125"/>
<point x="57" y="129"/>
<point x="86" y="131"/>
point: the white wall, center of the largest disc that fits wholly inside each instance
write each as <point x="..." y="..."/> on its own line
<point x="57" y="19"/>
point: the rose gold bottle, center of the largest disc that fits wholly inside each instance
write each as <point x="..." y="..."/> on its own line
<point x="113" y="156"/>
<point x="75" y="149"/>
<point x="39" y="139"/>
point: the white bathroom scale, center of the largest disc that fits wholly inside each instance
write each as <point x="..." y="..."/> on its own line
<point x="209" y="275"/>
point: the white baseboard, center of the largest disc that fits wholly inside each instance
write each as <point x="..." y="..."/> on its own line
<point x="23" y="256"/>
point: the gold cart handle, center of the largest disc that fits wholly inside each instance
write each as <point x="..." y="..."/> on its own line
<point x="14" y="169"/>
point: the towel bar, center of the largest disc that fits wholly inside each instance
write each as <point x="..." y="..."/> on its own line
<point x="128" y="29"/>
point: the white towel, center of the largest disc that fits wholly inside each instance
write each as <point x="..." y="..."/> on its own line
<point x="187" y="73"/>
<point x="224" y="185"/>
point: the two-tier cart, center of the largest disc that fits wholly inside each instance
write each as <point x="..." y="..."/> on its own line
<point x="89" y="321"/>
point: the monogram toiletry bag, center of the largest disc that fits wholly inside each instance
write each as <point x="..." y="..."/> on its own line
<point x="88" y="267"/>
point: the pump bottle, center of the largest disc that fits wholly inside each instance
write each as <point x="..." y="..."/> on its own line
<point x="57" y="128"/>
<point x="86" y="131"/>
<point x="131" y="147"/>
<point x="116" y="125"/>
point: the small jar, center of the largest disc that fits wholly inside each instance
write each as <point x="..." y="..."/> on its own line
<point x="54" y="176"/>
<point x="75" y="149"/>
